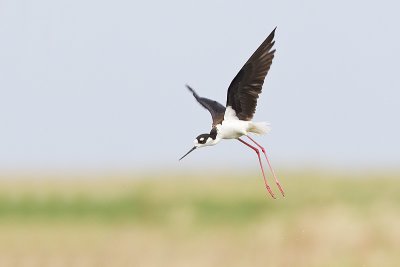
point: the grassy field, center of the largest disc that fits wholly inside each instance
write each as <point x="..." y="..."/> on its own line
<point x="326" y="219"/>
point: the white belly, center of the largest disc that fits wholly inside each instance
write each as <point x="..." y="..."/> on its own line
<point x="232" y="129"/>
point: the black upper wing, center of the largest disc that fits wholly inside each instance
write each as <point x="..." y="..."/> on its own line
<point x="246" y="86"/>
<point x="216" y="109"/>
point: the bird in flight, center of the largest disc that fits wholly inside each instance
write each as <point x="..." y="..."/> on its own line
<point x="235" y="120"/>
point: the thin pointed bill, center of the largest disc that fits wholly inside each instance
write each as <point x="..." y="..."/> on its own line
<point x="193" y="148"/>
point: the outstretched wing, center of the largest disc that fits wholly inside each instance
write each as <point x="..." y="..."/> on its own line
<point x="246" y="86"/>
<point x="216" y="109"/>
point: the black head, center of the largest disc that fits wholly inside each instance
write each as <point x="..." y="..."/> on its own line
<point x="202" y="139"/>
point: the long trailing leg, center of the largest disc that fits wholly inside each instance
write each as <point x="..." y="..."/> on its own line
<point x="262" y="169"/>
<point x="269" y="164"/>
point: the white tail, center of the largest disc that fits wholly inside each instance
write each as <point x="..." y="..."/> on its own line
<point x="260" y="127"/>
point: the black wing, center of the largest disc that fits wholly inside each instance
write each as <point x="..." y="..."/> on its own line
<point x="216" y="109"/>
<point x="246" y="86"/>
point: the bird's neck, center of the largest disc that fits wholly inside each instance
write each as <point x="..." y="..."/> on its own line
<point x="217" y="139"/>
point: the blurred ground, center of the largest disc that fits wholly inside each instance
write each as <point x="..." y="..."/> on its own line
<point x="327" y="219"/>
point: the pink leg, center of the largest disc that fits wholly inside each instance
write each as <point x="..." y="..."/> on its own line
<point x="269" y="164"/>
<point x="262" y="169"/>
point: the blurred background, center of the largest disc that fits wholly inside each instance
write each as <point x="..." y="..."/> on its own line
<point x="94" y="116"/>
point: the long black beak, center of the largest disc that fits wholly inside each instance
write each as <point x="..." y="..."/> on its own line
<point x="188" y="152"/>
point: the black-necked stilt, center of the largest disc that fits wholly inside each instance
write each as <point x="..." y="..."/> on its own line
<point x="235" y="120"/>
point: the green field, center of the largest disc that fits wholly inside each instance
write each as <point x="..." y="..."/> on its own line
<point x="326" y="219"/>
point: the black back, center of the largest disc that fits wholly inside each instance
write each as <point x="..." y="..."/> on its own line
<point x="246" y="86"/>
<point x="216" y="110"/>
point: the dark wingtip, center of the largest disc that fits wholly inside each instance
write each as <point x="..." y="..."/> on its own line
<point x="272" y="34"/>
<point x="191" y="90"/>
<point x="270" y="38"/>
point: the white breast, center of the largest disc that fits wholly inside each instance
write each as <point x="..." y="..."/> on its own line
<point x="232" y="129"/>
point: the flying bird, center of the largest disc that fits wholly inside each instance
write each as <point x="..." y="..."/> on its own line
<point x="235" y="120"/>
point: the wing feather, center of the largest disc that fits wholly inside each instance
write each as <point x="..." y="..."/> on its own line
<point x="216" y="109"/>
<point x="245" y="88"/>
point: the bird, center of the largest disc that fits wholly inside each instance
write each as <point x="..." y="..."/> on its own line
<point x="235" y="119"/>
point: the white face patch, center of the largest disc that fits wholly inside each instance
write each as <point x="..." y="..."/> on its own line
<point x="208" y="142"/>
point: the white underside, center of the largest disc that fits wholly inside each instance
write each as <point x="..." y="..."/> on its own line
<point x="232" y="127"/>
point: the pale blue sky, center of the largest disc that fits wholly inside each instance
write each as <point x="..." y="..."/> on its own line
<point x="100" y="84"/>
